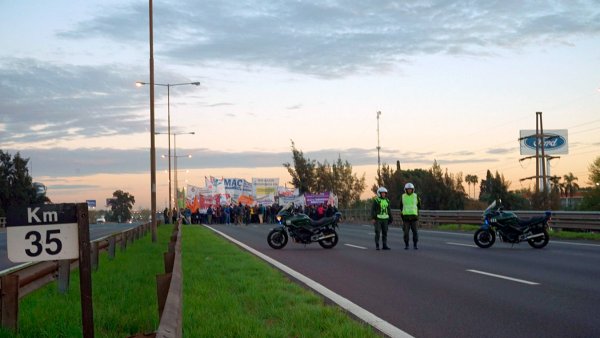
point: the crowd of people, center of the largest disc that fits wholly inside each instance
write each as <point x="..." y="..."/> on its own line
<point x="241" y="214"/>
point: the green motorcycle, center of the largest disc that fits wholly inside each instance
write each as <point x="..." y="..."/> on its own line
<point x="302" y="229"/>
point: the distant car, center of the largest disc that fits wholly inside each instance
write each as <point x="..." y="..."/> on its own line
<point x="100" y="219"/>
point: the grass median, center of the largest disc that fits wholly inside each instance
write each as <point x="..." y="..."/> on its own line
<point x="124" y="296"/>
<point x="227" y="293"/>
<point x="231" y="293"/>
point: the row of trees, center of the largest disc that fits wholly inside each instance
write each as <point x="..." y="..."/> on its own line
<point x="438" y="189"/>
<point x="16" y="186"/>
<point x="311" y="176"/>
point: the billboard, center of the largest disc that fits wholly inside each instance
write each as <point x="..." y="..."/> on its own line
<point x="556" y="141"/>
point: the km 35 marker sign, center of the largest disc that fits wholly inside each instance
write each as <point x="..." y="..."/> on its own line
<point x="42" y="233"/>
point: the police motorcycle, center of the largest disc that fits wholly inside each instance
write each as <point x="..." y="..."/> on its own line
<point x="509" y="228"/>
<point x="302" y="229"/>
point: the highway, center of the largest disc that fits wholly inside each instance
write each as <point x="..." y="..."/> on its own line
<point x="449" y="287"/>
<point x="96" y="231"/>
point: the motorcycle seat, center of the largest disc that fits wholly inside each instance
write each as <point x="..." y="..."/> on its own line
<point x="531" y="221"/>
<point x="322" y="221"/>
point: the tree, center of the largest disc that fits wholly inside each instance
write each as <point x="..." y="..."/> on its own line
<point x="472" y="179"/>
<point x="438" y="189"/>
<point x="302" y="172"/>
<point x="594" y="169"/>
<point x="591" y="198"/>
<point x="121" y="205"/>
<point x="570" y="187"/>
<point x="310" y="176"/>
<point x="16" y="186"/>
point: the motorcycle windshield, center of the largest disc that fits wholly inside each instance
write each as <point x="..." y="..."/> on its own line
<point x="490" y="207"/>
<point x="286" y="209"/>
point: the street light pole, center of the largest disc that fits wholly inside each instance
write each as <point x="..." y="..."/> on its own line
<point x="168" y="85"/>
<point x="152" y="144"/>
<point x="378" y="148"/>
<point x="175" y="157"/>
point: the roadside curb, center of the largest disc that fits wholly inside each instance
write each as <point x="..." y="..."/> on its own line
<point x="362" y="314"/>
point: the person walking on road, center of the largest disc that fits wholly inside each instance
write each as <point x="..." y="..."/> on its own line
<point x="410" y="204"/>
<point x="381" y="213"/>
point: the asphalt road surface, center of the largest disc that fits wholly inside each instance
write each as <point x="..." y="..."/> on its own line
<point x="450" y="287"/>
<point x="96" y="231"/>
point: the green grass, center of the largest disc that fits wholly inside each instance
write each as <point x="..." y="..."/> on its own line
<point x="558" y="234"/>
<point x="124" y="296"/>
<point x="457" y="227"/>
<point x="227" y="293"/>
<point x="231" y="293"/>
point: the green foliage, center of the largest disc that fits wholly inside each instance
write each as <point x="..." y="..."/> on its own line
<point x="302" y="171"/>
<point x="123" y="291"/>
<point x="438" y="189"/>
<point x="591" y="200"/>
<point x="594" y="169"/>
<point x="16" y="186"/>
<point x="230" y="293"/>
<point x="121" y="205"/>
<point x="495" y="187"/>
<point x="310" y="176"/>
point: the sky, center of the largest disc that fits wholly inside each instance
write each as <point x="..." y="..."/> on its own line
<point x="454" y="81"/>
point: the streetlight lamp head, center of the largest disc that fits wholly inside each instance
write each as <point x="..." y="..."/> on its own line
<point x="189" y="156"/>
<point x="139" y="83"/>
<point x="196" y="83"/>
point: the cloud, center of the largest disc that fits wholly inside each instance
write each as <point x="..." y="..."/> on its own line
<point x="294" y="107"/>
<point x="72" y="186"/>
<point x="501" y="151"/>
<point x="46" y="101"/>
<point x="62" y="162"/>
<point x="338" y="38"/>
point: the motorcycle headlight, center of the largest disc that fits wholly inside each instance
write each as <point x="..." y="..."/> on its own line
<point x="278" y="218"/>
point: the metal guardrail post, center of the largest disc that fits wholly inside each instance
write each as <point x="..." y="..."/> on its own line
<point x="112" y="243"/>
<point x="123" y="237"/>
<point x="95" y="256"/>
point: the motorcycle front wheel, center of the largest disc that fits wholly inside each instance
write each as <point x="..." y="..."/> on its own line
<point x="277" y="239"/>
<point x="540" y="242"/>
<point x="484" y="238"/>
<point x="330" y="242"/>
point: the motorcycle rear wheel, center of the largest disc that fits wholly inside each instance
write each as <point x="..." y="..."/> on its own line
<point x="277" y="239"/>
<point x="330" y="242"/>
<point x="539" y="242"/>
<point x="484" y="238"/>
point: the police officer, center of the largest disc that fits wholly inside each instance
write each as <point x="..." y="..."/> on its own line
<point x="410" y="205"/>
<point x="381" y="213"/>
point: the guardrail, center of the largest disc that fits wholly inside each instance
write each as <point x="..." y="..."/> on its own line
<point x="20" y="280"/>
<point x="560" y="219"/>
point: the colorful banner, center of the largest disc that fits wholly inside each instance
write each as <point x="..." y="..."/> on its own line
<point x="316" y="199"/>
<point x="265" y="189"/>
<point x="287" y="192"/>
<point x="237" y="187"/>
<point x="297" y="200"/>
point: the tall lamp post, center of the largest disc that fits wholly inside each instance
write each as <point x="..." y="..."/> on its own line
<point x="378" y="148"/>
<point x="168" y="85"/>
<point x="175" y="157"/>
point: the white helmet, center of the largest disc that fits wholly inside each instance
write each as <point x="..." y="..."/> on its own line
<point x="409" y="186"/>
<point x="380" y="190"/>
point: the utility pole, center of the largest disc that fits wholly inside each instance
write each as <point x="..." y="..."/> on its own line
<point x="542" y="161"/>
<point x="152" y="144"/>
<point x="378" y="149"/>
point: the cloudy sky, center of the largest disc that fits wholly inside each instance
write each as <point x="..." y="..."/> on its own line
<point x="455" y="81"/>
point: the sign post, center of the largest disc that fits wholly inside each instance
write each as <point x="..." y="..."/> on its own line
<point x="48" y="232"/>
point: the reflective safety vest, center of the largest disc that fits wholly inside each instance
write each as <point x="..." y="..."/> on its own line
<point x="383" y="208"/>
<point x="409" y="204"/>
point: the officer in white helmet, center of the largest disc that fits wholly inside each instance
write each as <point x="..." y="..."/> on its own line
<point x="381" y="213"/>
<point x="410" y="204"/>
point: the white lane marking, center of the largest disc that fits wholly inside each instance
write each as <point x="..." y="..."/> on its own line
<point x="446" y="233"/>
<point x="571" y="243"/>
<point x="504" y="277"/>
<point x="356" y="246"/>
<point x="366" y="316"/>
<point x="469" y="245"/>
